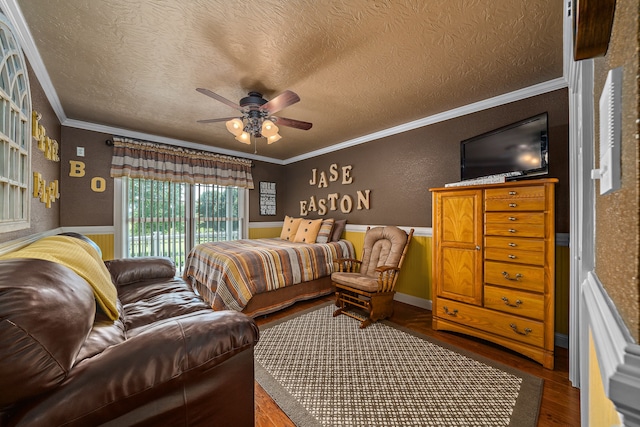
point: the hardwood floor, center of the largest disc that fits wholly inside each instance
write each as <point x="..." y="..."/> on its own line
<point x="560" y="401"/>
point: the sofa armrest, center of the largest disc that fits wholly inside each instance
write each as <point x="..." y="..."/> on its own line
<point x="200" y="363"/>
<point x="125" y="271"/>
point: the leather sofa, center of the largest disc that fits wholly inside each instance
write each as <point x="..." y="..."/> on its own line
<point x="167" y="360"/>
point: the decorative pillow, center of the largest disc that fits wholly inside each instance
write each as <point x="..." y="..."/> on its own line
<point x="289" y="228"/>
<point x="308" y="231"/>
<point x="338" y="228"/>
<point x="324" y="235"/>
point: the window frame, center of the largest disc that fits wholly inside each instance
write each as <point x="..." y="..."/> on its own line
<point x="15" y="134"/>
<point x="120" y="209"/>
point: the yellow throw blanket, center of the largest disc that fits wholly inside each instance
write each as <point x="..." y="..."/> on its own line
<point x="80" y="257"/>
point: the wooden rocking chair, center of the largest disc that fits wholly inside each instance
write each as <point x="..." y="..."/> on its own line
<point x="369" y="284"/>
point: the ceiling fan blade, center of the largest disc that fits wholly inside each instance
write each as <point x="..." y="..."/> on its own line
<point x="292" y="123"/>
<point x="219" y="98"/>
<point x="280" y="102"/>
<point x="223" y="119"/>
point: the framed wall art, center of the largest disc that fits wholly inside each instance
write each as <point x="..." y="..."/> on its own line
<point x="267" y="198"/>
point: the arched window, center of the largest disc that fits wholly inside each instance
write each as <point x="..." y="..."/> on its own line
<point x="15" y="133"/>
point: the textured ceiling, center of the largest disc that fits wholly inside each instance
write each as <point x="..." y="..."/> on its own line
<point x="359" y="66"/>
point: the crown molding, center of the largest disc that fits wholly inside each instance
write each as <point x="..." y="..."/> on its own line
<point x="13" y="12"/>
<point x="95" y="127"/>
<point x="539" y="89"/>
<point x="528" y="92"/>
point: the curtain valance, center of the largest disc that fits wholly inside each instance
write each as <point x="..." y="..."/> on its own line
<point x="149" y="160"/>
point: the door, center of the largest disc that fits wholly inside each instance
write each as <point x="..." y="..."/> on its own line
<point x="458" y="238"/>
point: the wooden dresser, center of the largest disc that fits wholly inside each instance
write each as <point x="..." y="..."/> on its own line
<point x="494" y="264"/>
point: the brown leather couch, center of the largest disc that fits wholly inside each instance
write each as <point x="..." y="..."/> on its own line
<point x="169" y="360"/>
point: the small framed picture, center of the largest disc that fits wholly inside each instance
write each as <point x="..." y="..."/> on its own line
<point x="267" y="198"/>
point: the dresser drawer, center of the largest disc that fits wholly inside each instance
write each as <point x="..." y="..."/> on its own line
<point x="531" y="204"/>
<point x="507" y="325"/>
<point x="514" y="242"/>
<point x="515" y="276"/>
<point x="516" y="230"/>
<point x="515" y="218"/>
<point x="514" y="302"/>
<point x="514" y="255"/>
<point x="515" y="193"/>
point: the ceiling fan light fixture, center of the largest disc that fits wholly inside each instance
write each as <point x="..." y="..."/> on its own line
<point x="273" y="138"/>
<point x="244" y="137"/>
<point x="257" y="118"/>
<point x="268" y="128"/>
<point x="235" y="126"/>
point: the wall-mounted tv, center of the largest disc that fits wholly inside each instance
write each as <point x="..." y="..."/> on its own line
<point x="519" y="147"/>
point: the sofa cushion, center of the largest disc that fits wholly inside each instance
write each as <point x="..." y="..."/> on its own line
<point x="131" y="270"/>
<point x="104" y="334"/>
<point x="46" y="313"/>
<point x="147" y="303"/>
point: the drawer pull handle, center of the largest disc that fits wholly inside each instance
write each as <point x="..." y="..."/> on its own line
<point x="527" y="331"/>
<point x="512" y="193"/>
<point x="513" y="279"/>
<point x="513" y="230"/>
<point x="450" y="313"/>
<point x="512" y="205"/>
<point x="506" y="302"/>
<point x="513" y="218"/>
<point x="513" y="245"/>
<point x="512" y="256"/>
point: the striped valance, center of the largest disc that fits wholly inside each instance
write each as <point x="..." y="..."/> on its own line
<point x="149" y="160"/>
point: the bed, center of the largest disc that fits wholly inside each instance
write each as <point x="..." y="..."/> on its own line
<point x="260" y="276"/>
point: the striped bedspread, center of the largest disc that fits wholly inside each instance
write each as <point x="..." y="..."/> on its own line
<point x="233" y="271"/>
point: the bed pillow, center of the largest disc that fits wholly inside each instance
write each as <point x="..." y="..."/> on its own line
<point x="289" y="228"/>
<point x="308" y="231"/>
<point x="338" y="228"/>
<point x="324" y="235"/>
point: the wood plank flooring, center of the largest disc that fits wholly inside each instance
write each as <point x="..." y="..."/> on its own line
<point x="560" y="401"/>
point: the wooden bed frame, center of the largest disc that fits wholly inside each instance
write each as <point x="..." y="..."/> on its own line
<point x="272" y="301"/>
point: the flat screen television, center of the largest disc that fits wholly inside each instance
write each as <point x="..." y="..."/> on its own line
<point x="519" y="147"/>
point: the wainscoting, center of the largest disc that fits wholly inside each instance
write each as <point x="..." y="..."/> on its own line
<point x="414" y="284"/>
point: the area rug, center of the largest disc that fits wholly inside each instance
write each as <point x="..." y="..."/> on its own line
<point x="326" y="371"/>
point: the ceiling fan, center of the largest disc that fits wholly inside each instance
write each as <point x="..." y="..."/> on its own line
<point x="257" y="117"/>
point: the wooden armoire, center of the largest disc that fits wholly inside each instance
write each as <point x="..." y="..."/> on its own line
<point x="494" y="264"/>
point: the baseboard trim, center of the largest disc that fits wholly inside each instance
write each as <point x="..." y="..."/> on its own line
<point x="414" y="301"/>
<point x="561" y="340"/>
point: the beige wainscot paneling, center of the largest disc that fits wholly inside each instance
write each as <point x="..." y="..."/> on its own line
<point x="602" y="412"/>
<point x="106" y="244"/>
<point x="415" y="277"/>
<point x="264" y="230"/>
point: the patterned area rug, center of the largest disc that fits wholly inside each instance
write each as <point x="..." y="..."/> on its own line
<point x="326" y="371"/>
